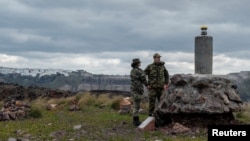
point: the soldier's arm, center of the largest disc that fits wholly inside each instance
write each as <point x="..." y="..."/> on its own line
<point x="133" y="74"/>
<point x="143" y="78"/>
<point x="166" y="76"/>
<point x="147" y="70"/>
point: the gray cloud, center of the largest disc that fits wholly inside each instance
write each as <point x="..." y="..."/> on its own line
<point x="119" y="62"/>
<point x="32" y="29"/>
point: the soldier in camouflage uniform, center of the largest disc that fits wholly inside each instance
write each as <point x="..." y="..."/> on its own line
<point x="158" y="78"/>
<point x="138" y="79"/>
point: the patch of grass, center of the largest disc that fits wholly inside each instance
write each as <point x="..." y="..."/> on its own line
<point x="39" y="102"/>
<point x="103" y="99"/>
<point x="244" y="115"/>
<point x="87" y="100"/>
<point x="35" y="113"/>
<point x="97" y="123"/>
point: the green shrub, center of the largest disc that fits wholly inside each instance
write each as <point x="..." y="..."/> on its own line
<point x="1" y="104"/>
<point x="35" y="113"/>
<point x="239" y="115"/>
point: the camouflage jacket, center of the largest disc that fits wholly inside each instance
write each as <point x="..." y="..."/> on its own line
<point x="157" y="75"/>
<point x="138" y="79"/>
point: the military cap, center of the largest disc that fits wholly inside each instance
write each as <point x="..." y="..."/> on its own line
<point x="136" y="60"/>
<point x="157" y="55"/>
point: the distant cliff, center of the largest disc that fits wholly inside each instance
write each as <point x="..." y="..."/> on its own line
<point x="81" y="80"/>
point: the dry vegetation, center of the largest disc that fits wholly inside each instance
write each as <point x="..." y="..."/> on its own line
<point x="98" y="120"/>
<point x="244" y="115"/>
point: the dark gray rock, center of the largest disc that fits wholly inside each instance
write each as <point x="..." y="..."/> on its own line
<point x="57" y="134"/>
<point x="198" y="95"/>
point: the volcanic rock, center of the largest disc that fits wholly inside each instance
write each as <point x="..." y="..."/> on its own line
<point x="193" y="97"/>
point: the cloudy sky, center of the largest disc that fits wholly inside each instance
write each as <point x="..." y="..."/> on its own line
<point x="102" y="36"/>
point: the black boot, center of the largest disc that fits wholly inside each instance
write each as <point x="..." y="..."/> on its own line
<point x="136" y="121"/>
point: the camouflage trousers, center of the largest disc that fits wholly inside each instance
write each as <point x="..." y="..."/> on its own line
<point x="154" y="94"/>
<point x="137" y="101"/>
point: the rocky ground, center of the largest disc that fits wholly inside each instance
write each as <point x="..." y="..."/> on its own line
<point x="9" y="92"/>
<point x="190" y="123"/>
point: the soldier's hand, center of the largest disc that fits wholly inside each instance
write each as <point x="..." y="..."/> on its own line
<point x="165" y="87"/>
